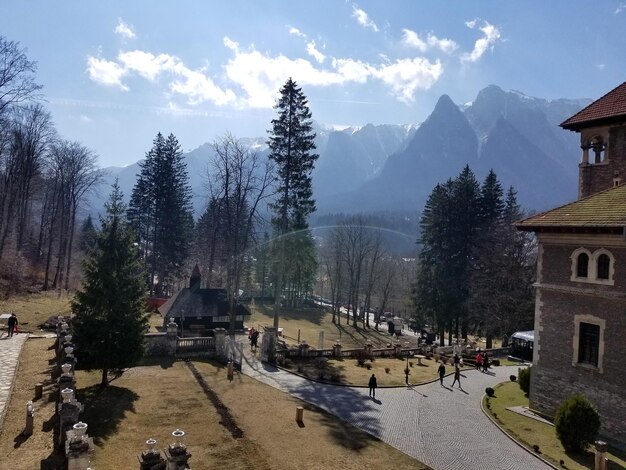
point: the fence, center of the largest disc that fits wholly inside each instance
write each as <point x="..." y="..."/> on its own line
<point x="201" y="345"/>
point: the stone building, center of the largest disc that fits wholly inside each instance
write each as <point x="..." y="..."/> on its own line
<point x="580" y="307"/>
<point x="198" y="311"/>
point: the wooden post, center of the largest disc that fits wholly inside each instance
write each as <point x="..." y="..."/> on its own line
<point x="298" y="335"/>
<point x="299" y="414"/>
<point x="38" y="391"/>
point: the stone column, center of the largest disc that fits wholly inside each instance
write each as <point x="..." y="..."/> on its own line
<point x="268" y="351"/>
<point x="304" y="349"/>
<point x="171" y="337"/>
<point x="337" y="350"/>
<point x="78" y="447"/>
<point x="397" y="350"/>
<point x="68" y="414"/>
<point x="220" y="342"/>
<point x="151" y="458"/>
<point x="600" y="460"/>
<point x="177" y="454"/>
<point x="368" y="349"/>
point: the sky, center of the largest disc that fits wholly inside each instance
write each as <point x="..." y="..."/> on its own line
<point x="114" y="73"/>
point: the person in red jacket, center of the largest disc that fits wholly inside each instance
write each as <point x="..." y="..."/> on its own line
<point x="479" y="360"/>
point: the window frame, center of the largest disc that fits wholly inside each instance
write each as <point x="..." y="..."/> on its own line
<point x="590" y="320"/>
<point x="592" y="266"/>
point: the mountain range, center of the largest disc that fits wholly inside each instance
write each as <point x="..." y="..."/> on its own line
<point x="395" y="167"/>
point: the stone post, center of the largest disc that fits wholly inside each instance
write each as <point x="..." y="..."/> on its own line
<point x="268" y="353"/>
<point x="78" y="447"/>
<point x="600" y="460"/>
<point x="397" y="350"/>
<point x="368" y="349"/>
<point x="304" y="349"/>
<point x="220" y="342"/>
<point x="337" y="350"/>
<point x="171" y="336"/>
<point x="151" y="458"/>
<point x="30" y="418"/>
<point x="177" y="454"/>
<point x="68" y="413"/>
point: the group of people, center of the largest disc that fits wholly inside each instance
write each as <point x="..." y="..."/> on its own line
<point x="457" y="372"/>
<point x="482" y="361"/>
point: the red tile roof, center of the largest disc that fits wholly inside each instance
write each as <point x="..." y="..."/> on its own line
<point x="611" y="105"/>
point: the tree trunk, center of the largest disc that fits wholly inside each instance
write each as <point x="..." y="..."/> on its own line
<point x="105" y="377"/>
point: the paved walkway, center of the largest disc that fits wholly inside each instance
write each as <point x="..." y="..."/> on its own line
<point x="442" y="427"/>
<point x="10" y="349"/>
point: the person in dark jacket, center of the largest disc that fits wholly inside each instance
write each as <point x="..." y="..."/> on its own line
<point x="457" y="376"/>
<point x="12" y="324"/>
<point x="442" y="372"/>
<point x="373" y="385"/>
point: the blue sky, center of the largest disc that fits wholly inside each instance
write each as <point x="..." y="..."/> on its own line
<point x="117" y="72"/>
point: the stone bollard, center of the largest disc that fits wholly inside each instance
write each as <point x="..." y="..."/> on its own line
<point x="151" y="458"/>
<point x="397" y="350"/>
<point x="601" y="462"/>
<point x="30" y="419"/>
<point x="230" y="371"/>
<point x="368" y="349"/>
<point x="177" y="454"/>
<point x="78" y="447"/>
<point x="299" y="414"/>
<point x="337" y="350"/>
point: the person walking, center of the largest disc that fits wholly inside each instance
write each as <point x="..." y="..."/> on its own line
<point x="457" y="376"/>
<point x="12" y="324"/>
<point x="442" y="373"/>
<point x="373" y="385"/>
<point x="485" y="363"/>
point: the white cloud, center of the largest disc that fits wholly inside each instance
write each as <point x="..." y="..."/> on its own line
<point x="491" y="35"/>
<point x="296" y="32"/>
<point x="317" y="55"/>
<point x="412" y="39"/>
<point x="106" y="72"/>
<point x="620" y="8"/>
<point x="124" y="30"/>
<point x="601" y="66"/>
<point x="362" y="18"/>
<point x="406" y="76"/>
<point x="260" y="76"/>
<point x="195" y="85"/>
<point x="84" y="118"/>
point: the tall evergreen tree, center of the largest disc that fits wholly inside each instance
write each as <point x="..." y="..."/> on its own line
<point x="292" y="147"/>
<point x="161" y="214"/>
<point x="110" y="320"/>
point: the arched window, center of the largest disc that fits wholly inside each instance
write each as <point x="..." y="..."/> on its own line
<point x="604" y="263"/>
<point x="582" y="265"/>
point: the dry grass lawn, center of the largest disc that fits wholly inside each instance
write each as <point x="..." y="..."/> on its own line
<point x="154" y="399"/>
<point x="531" y="432"/>
<point x="310" y="321"/>
<point x="34" y="309"/>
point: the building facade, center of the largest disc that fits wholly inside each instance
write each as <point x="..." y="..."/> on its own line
<point x="580" y="307"/>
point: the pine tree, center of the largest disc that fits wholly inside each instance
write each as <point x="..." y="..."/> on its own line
<point x="291" y="143"/>
<point x="160" y="212"/>
<point x="110" y="320"/>
<point x="88" y="234"/>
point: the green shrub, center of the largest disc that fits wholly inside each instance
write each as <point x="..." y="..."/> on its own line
<point x="577" y="423"/>
<point x="524" y="380"/>
<point x="489" y="391"/>
<point x="513" y="378"/>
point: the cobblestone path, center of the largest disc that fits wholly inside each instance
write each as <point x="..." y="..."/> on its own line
<point x="443" y="427"/>
<point x="10" y="349"/>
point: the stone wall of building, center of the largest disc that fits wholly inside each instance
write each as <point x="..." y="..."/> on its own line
<point x="555" y="376"/>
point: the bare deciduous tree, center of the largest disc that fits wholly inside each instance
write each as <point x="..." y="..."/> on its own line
<point x="17" y="81"/>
